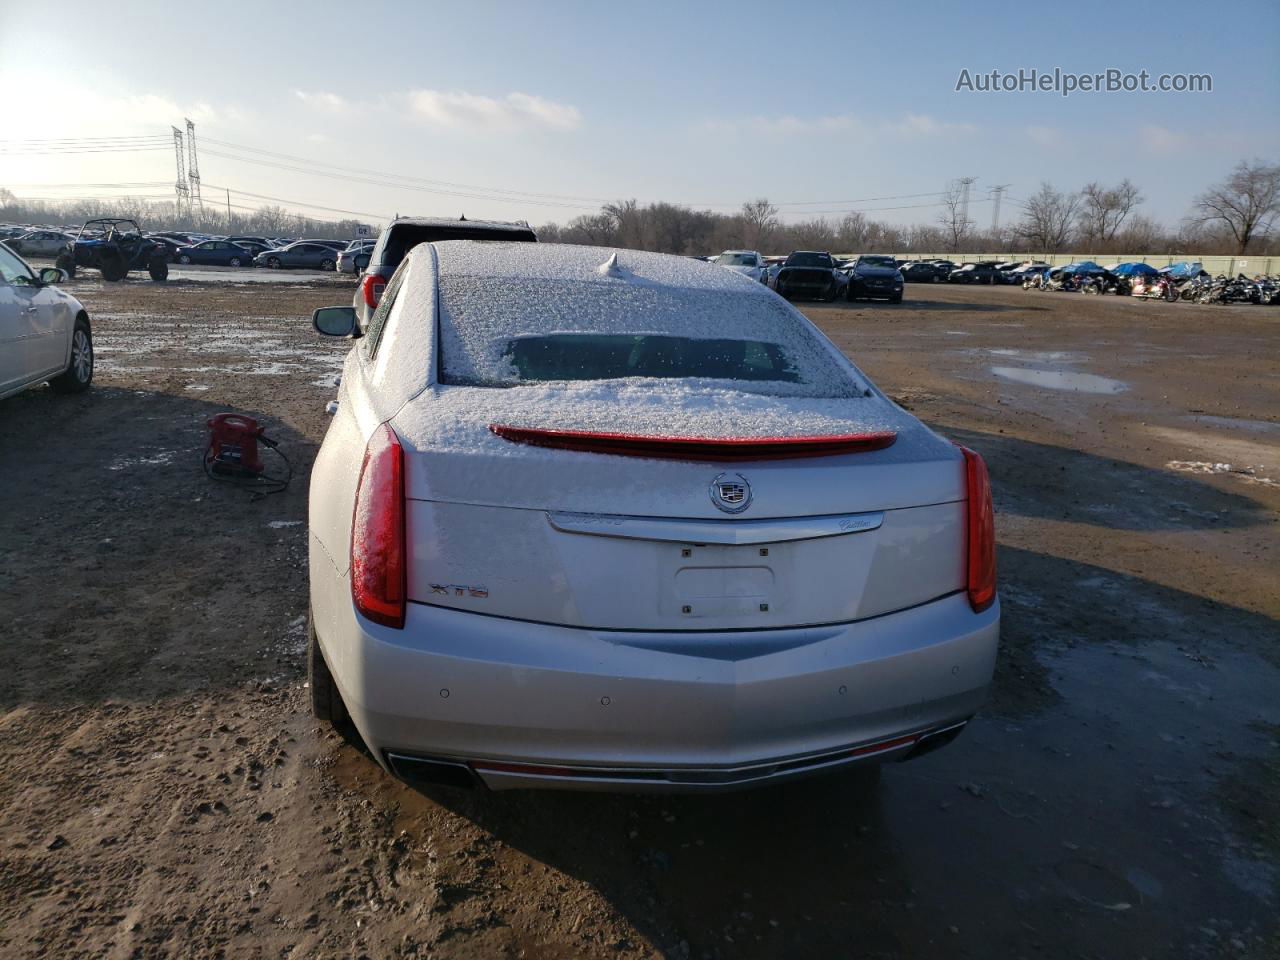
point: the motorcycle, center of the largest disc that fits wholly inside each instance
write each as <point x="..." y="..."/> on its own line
<point x="1155" y="288"/>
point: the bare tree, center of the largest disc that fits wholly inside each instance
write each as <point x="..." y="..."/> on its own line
<point x="628" y="222"/>
<point x="853" y="232"/>
<point x="1047" y="218"/>
<point x="954" y="218"/>
<point x="759" y="223"/>
<point x="1246" y="203"/>
<point x="1140" y="235"/>
<point x="1104" y="209"/>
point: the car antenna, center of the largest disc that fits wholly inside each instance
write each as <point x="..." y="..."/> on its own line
<point x="611" y="267"/>
<point x="463" y="217"/>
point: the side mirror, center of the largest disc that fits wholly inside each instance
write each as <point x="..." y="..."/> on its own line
<point x="52" y="275"/>
<point x="335" y="321"/>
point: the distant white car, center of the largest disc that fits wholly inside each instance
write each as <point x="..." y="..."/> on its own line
<point x="44" y="333"/>
<point x="625" y="521"/>
<point x="749" y="263"/>
<point x="356" y="257"/>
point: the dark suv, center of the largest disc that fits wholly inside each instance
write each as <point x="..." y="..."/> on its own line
<point x="406" y="233"/>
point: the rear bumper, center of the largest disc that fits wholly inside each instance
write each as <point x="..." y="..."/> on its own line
<point x="651" y="711"/>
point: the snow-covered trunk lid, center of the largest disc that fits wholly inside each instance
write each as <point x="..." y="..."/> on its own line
<point x="455" y="455"/>
<point x="623" y="541"/>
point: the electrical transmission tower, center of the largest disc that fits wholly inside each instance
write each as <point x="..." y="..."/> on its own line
<point x="996" y="193"/>
<point x="193" y="168"/>
<point x="181" y="188"/>
<point x="965" y="184"/>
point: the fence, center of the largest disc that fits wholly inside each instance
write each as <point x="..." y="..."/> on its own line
<point x="1248" y="265"/>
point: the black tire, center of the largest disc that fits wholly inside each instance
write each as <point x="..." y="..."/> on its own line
<point x="79" y="372"/>
<point x="234" y="262"/>
<point x="326" y="701"/>
<point x="112" y="266"/>
<point x="327" y="265"/>
<point x="158" y="268"/>
<point x="896" y="299"/>
<point x="67" y="263"/>
<point x="184" y="259"/>
<point x="273" y="263"/>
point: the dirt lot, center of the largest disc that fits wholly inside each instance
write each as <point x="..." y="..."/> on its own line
<point x="163" y="791"/>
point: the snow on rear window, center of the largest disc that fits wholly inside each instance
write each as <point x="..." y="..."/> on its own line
<point x="487" y="325"/>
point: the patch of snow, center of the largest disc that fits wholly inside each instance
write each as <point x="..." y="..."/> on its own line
<point x="281" y="524"/>
<point x="1203" y="466"/>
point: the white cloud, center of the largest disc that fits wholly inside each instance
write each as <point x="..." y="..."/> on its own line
<point x="323" y="100"/>
<point x="462" y="110"/>
<point x="923" y="125"/>
<point x="1161" y="139"/>
<point x="1045" y="136"/>
<point x="911" y="125"/>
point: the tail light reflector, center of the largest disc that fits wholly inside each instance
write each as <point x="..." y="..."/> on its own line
<point x="980" y="533"/>
<point x="371" y="287"/>
<point x="377" y="532"/>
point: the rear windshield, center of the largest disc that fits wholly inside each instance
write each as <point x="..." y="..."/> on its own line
<point x="809" y="260"/>
<point x="403" y="237"/>
<point x="505" y="334"/>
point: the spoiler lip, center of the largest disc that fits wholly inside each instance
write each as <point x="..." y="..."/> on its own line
<point x="719" y="449"/>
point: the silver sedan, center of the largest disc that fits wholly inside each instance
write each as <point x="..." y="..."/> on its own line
<point x="611" y="520"/>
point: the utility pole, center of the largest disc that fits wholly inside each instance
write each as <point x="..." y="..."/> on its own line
<point x="193" y="168"/>
<point x="228" y="208"/>
<point x="181" y="189"/>
<point x="965" y="184"/>
<point x="997" y="192"/>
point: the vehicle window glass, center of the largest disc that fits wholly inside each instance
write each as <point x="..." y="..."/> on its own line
<point x="378" y="322"/>
<point x="535" y="330"/>
<point x="13" y="270"/>
<point x="809" y="260"/>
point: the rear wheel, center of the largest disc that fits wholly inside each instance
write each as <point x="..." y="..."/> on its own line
<point x="158" y="268"/>
<point x="67" y="264"/>
<point x="326" y="702"/>
<point x="234" y="262"/>
<point x="79" y="372"/>
<point x="112" y="266"/>
<point x="327" y="265"/>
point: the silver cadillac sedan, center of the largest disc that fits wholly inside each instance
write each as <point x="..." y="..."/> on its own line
<point x="611" y="520"/>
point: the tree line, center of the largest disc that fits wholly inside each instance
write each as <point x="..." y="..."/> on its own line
<point x="1236" y="215"/>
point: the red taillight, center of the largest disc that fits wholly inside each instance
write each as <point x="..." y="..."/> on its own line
<point x="371" y="287"/>
<point x="980" y="533"/>
<point x="377" y="532"/>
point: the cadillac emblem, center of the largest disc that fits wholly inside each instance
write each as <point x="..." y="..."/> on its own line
<point x="731" y="493"/>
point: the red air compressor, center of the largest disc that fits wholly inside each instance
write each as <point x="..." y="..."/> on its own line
<point x="232" y="452"/>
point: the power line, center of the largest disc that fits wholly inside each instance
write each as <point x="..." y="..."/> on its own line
<point x="299" y="203"/>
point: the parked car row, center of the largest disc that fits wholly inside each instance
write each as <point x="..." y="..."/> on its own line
<point x="182" y="247"/>
<point x="817" y="275"/>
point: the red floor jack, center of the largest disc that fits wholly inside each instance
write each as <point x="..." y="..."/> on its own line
<point x="232" y="454"/>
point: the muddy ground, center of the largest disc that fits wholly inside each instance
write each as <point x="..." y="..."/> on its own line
<point x="164" y="792"/>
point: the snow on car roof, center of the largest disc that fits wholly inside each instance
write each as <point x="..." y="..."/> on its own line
<point x="559" y="261"/>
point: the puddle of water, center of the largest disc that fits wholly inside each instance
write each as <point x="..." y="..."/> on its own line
<point x="1238" y="423"/>
<point x="1037" y="356"/>
<point x="1062" y="380"/>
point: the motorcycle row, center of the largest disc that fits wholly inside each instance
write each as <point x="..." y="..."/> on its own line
<point x="1197" y="289"/>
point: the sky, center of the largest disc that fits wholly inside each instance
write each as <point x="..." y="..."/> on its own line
<point x="543" y="112"/>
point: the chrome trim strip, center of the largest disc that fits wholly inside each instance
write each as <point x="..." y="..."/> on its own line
<point x="731" y="532"/>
